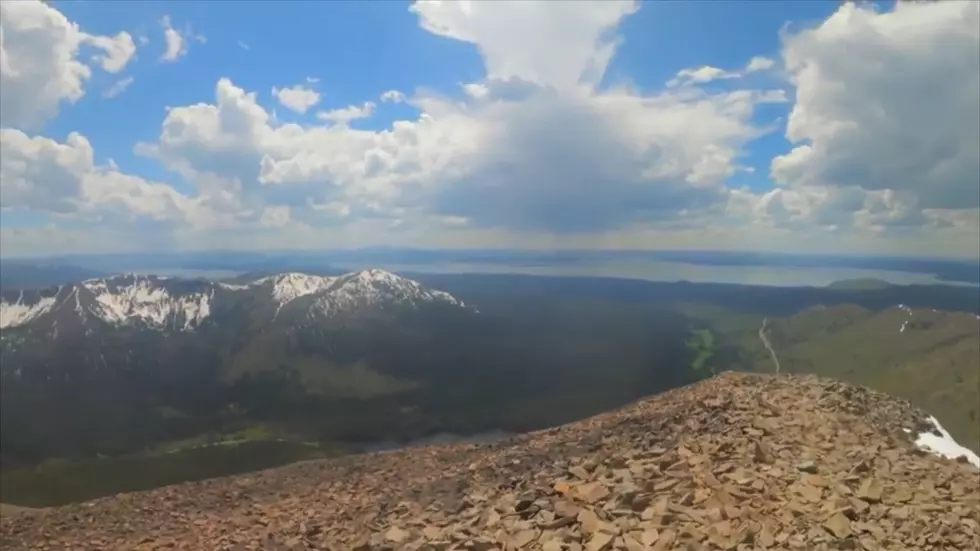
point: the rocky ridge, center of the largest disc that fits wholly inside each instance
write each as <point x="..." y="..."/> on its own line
<point x="169" y="303"/>
<point x="737" y="462"/>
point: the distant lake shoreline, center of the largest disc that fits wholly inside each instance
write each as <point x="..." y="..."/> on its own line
<point x="671" y="271"/>
<point x="649" y="270"/>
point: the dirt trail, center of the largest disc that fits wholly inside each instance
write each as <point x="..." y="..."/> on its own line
<point x="765" y="341"/>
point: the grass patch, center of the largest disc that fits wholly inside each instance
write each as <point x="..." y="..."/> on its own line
<point x="702" y="344"/>
<point x="62" y="482"/>
<point x="930" y="358"/>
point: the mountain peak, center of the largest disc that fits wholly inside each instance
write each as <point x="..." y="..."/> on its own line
<point x="159" y="302"/>
<point x="788" y="461"/>
<point x="24" y="306"/>
<point x="136" y="299"/>
<point x="375" y="287"/>
<point x="289" y="286"/>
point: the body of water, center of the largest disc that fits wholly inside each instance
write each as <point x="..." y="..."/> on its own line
<point x="189" y="273"/>
<point x="664" y="271"/>
<point x="650" y="270"/>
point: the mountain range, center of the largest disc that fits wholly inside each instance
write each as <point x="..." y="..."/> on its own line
<point x="160" y="303"/>
<point x="117" y="364"/>
<point x="155" y="372"/>
<point x="97" y="362"/>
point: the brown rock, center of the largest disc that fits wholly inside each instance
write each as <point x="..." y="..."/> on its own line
<point x="600" y="541"/>
<point x="663" y="474"/>
<point x="592" y="492"/>
<point x="870" y="491"/>
<point x="838" y="525"/>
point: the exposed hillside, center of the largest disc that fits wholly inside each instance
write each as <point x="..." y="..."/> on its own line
<point x="736" y="462"/>
<point x="929" y="357"/>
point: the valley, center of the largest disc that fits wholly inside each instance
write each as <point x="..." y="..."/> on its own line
<point x="131" y="382"/>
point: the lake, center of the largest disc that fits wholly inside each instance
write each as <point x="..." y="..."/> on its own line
<point x="666" y="271"/>
<point x="650" y="270"/>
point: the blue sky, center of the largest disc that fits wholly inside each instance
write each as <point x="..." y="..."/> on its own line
<point x="760" y="151"/>
<point x="360" y="49"/>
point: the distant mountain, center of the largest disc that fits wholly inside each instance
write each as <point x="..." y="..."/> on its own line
<point x="27" y="274"/>
<point x="97" y="361"/>
<point x="116" y="364"/>
<point x="161" y="303"/>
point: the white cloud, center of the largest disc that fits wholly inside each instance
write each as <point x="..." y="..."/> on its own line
<point x="759" y="63"/>
<point x="558" y="43"/>
<point x="701" y="75"/>
<point x="297" y="98"/>
<point x="116" y="51"/>
<point x="891" y="137"/>
<point x="707" y="73"/>
<point x="539" y="151"/>
<point x="612" y="158"/>
<point x="118" y="87"/>
<point x="392" y="96"/>
<point x="535" y="152"/>
<point x="39" y="61"/>
<point x="243" y="45"/>
<point x="44" y="175"/>
<point x="177" y="42"/>
<point x="347" y="114"/>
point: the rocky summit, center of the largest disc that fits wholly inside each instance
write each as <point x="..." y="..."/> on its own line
<point x="735" y="462"/>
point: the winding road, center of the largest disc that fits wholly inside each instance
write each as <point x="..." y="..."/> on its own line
<point x="765" y="341"/>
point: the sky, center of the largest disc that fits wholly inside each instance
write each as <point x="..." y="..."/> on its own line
<point x="812" y="127"/>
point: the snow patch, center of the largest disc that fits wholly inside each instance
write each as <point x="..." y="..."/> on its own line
<point x="138" y="299"/>
<point x="17" y="313"/>
<point x="233" y="286"/>
<point x="290" y="286"/>
<point x="942" y="444"/>
<point x="905" y="323"/>
<point x="368" y="288"/>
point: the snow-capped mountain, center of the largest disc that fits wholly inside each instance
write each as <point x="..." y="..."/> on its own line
<point x="149" y="302"/>
<point x="175" y="304"/>
<point x="370" y="288"/>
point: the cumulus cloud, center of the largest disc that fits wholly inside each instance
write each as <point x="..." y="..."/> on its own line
<point x="539" y="150"/>
<point x="707" y="73"/>
<point x="759" y="63"/>
<point x="533" y="146"/>
<point x="297" y="98"/>
<point x="177" y="42"/>
<point x="392" y="96"/>
<point x="116" y="51"/>
<point x="41" y="64"/>
<point x="44" y="175"/>
<point x="559" y="43"/>
<point x="900" y="121"/>
<point x="347" y="114"/>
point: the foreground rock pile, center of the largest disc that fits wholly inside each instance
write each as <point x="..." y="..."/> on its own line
<point x="737" y="462"/>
